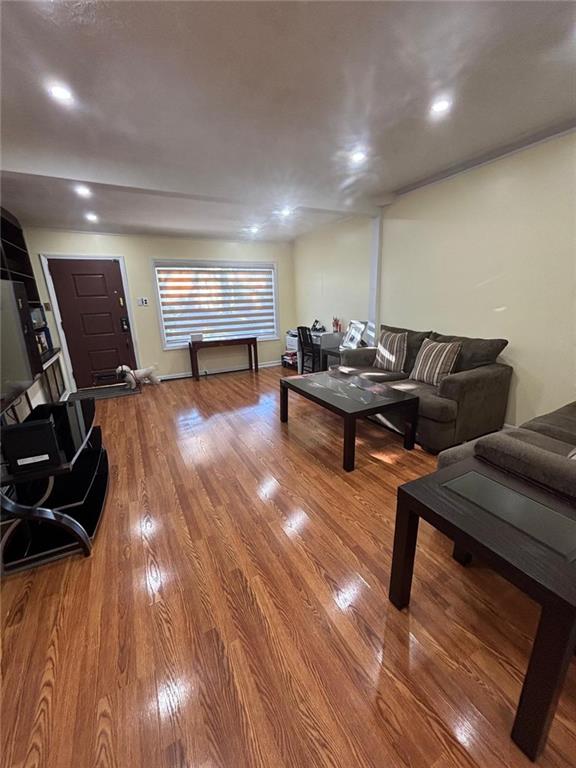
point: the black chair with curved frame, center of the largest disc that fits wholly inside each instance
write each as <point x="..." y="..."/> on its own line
<point x="309" y="352"/>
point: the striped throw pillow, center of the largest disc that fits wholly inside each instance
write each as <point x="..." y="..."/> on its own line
<point x="391" y="352"/>
<point x="435" y="360"/>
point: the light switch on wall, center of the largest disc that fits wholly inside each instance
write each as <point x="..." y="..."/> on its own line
<point x="142" y="301"/>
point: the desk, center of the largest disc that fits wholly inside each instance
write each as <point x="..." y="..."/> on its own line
<point x="251" y="342"/>
<point x="326" y="353"/>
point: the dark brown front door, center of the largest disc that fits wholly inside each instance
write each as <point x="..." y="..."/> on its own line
<point x="94" y="318"/>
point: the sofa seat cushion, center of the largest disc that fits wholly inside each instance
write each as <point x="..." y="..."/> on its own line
<point x="431" y="405"/>
<point x="560" y="424"/>
<point x="370" y="373"/>
<point x="474" y="352"/>
<point x="533" y="456"/>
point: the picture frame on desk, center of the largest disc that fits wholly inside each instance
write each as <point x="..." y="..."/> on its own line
<point x="353" y="335"/>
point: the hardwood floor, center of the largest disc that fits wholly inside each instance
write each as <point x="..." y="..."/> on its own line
<point x="234" y="612"/>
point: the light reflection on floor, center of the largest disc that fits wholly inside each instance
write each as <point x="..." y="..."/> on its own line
<point x="268" y="488"/>
<point x="147" y="527"/>
<point x="154" y="579"/>
<point x="464" y="732"/>
<point x="189" y="421"/>
<point x="346" y="596"/>
<point x="172" y="696"/>
<point x="296" y="523"/>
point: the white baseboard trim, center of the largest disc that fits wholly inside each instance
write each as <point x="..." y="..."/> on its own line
<point x="205" y="371"/>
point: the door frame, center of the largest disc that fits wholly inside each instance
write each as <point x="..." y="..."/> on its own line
<point x="44" y="258"/>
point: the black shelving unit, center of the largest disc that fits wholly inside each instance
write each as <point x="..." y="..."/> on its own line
<point x="54" y="511"/>
<point x="15" y="261"/>
<point x="16" y="267"/>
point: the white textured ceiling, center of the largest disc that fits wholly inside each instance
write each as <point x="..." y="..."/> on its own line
<point x="205" y="117"/>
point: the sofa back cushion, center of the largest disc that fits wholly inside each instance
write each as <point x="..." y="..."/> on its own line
<point x="435" y="361"/>
<point x="414" y="341"/>
<point x="391" y="352"/>
<point x="475" y="352"/>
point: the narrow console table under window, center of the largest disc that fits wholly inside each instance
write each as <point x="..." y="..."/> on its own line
<point x="52" y="505"/>
<point x="251" y="342"/>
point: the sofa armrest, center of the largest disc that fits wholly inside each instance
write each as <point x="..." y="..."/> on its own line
<point x="482" y="397"/>
<point x="363" y="357"/>
<point x="556" y="472"/>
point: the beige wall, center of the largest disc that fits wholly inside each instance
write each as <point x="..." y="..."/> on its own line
<point x="332" y="272"/>
<point x="492" y="252"/>
<point x="139" y="253"/>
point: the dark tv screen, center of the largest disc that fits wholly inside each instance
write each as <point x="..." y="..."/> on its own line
<point x="15" y="371"/>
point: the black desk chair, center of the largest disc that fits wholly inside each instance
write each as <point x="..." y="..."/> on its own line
<point x="310" y="352"/>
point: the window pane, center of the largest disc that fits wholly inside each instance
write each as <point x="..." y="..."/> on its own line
<point x="217" y="301"/>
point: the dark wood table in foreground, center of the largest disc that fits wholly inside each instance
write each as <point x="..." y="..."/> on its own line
<point x="352" y="398"/>
<point x="525" y="534"/>
<point x="251" y="342"/>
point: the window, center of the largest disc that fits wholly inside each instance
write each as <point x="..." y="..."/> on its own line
<point x="217" y="300"/>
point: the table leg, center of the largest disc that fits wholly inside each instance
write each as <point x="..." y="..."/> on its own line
<point x="461" y="555"/>
<point x="283" y="402"/>
<point x="255" y="354"/>
<point x="405" y="537"/>
<point x="349" y="442"/>
<point x="551" y="653"/>
<point x="194" y="363"/>
<point x="323" y="361"/>
<point x="249" y="347"/>
<point x="410" y="428"/>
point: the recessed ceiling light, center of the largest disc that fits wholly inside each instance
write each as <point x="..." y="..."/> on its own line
<point x="82" y="190"/>
<point x="61" y="93"/>
<point x="286" y="212"/>
<point x="440" y="106"/>
<point x="254" y="229"/>
<point x="358" y="156"/>
<point x="91" y="217"/>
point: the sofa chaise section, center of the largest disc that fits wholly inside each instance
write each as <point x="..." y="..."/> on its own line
<point x="542" y="450"/>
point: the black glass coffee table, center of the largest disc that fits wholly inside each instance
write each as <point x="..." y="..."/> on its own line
<point x="527" y="535"/>
<point x="352" y="398"/>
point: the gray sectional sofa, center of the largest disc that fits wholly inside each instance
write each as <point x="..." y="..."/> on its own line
<point x="468" y="403"/>
<point x="542" y="450"/>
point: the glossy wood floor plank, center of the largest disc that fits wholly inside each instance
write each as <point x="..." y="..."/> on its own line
<point x="234" y="613"/>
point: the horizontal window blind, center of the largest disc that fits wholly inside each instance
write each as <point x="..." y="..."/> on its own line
<point x="217" y="301"/>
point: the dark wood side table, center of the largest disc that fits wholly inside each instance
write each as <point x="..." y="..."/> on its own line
<point x="525" y="534"/>
<point x="251" y="342"/>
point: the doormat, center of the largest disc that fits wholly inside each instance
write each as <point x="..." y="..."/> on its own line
<point x="104" y="393"/>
